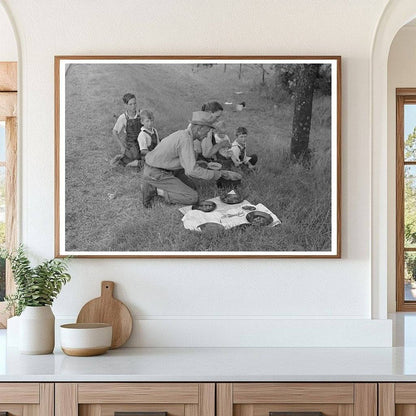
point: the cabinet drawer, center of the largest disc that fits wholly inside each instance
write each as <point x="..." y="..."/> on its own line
<point x="138" y="393"/>
<point x="21" y="399"/>
<point x="296" y="399"/>
<point x="144" y="409"/>
<point x="397" y="399"/>
<point x="291" y="393"/>
<point x="19" y="393"/>
<point x="106" y="399"/>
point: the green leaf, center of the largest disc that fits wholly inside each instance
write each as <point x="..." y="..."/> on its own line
<point x="35" y="286"/>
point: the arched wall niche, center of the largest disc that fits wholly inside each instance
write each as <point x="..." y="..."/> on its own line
<point x="401" y="74"/>
<point x="396" y="14"/>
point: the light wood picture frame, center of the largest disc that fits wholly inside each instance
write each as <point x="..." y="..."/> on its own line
<point x="288" y="158"/>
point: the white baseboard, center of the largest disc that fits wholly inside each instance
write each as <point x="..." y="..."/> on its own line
<point x="255" y="332"/>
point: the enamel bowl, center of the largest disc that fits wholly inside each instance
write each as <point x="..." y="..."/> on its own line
<point x="83" y="340"/>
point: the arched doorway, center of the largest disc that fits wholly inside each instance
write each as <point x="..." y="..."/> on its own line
<point x="396" y="14"/>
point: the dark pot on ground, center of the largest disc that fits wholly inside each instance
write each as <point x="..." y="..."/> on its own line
<point x="225" y="184"/>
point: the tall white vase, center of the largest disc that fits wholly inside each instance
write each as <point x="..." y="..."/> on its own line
<point x="37" y="330"/>
<point x="13" y="332"/>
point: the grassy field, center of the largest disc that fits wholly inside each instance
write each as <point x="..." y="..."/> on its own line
<point x="103" y="204"/>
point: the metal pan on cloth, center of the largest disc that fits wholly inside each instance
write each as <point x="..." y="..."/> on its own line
<point x="259" y="218"/>
<point x="248" y="207"/>
<point x="205" y="206"/>
<point x="231" y="198"/>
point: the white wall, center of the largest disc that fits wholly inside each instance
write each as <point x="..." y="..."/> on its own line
<point x="8" y="46"/>
<point x="401" y="74"/>
<point x="179" y="302"/>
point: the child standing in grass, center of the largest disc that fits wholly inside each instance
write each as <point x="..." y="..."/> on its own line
<point x="148" y="137"/>
<point x="126" y="130"/>
<point x="239" y="152"/>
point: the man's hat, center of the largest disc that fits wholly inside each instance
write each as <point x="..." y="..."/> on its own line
<point x="203" y="118"/>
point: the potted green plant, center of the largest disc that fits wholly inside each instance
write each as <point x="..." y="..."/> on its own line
<point x="36" y="289"/>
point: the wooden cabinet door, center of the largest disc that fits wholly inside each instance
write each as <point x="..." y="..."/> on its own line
<point x="297" y="399"/>
<point x="153" y="399"/>
<point x="27" y="399"/>
<point x="397" y="399"/>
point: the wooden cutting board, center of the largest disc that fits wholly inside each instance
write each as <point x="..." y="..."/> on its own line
<point x="107" y="309"/>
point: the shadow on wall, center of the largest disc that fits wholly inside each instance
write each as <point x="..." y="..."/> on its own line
<point x="9" y="45"/>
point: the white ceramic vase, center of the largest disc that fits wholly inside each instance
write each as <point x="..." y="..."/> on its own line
<point x="37" y="330"/>
<point x="13" y="331"/>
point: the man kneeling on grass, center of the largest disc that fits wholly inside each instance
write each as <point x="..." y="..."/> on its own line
<point x="170" y="166"/>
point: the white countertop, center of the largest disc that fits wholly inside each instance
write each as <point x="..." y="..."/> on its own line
<point x="213" y="364"/>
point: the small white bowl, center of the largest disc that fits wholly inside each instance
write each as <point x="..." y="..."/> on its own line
<point x="83" y="340"/>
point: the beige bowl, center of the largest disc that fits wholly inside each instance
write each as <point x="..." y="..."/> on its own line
<point x="83" y="340"/>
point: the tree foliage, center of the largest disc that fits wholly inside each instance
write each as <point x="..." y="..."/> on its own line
<point x="2" y="279"/>
<point x="35" y="286"/>
<point x="2" y="234"/>
<point x="410" y="269"/>
<point x="410" y="146"/>
<point x="410" y="210"/>
<point x="410" y="190"/>
<point x="410" y="204"/>
<point x="285" y="76"/>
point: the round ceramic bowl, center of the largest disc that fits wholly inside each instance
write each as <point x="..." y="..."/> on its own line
<point x="83" y="340"/>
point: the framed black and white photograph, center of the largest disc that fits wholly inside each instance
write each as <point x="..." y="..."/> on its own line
<point x="197" y="156"/>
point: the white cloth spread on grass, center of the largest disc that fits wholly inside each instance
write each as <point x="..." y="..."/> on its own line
<point x="227" y="215"/>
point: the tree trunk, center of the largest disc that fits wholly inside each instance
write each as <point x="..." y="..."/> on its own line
<point x="299" y="145"/>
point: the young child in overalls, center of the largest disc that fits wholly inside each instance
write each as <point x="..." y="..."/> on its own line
<point x="148" y="137"/>
<point x="126" y="130"/>
<point x="239" y="152"/>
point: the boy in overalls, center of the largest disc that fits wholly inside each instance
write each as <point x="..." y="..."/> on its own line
<point x="239" y="152"/>
<point x="126" y="130"/>
<point x="148" y="137"/>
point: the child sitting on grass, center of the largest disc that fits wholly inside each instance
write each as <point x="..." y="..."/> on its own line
<point x="216" y="145"/>
<point x="148" y="137"/>
<point x="239" y="152"/>
<point x="126" y="130"/>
